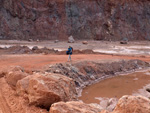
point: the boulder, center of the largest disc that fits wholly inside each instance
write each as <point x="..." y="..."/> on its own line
<point x="133" y="104"/>
<point x="37" y="40"/>
<point x="35" y="48"/>
<point x="73" y="107"/>
<point x="71" y="39"/>
<point x="56" y="41"/>
<point x="84" y="42"/>
<point x="45" y="89"/>
<point x="108" y="103"/>
<point x="112" y="104"/>
<point x="30" y="40"/>
<point x="15" y="74"/>
<point x="123" y="42"/>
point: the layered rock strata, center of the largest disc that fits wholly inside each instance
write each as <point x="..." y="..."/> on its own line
<point x="87" y="72"/>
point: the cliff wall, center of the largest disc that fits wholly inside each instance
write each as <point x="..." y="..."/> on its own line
<point x="84" y="19"/>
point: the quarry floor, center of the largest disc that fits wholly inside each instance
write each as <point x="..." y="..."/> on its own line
<point x="107" y="51"/>
<point x="113" y="51"/>
<point x="39" y="62"/>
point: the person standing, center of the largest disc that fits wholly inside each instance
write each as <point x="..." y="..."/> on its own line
<point x="69" y="52"/>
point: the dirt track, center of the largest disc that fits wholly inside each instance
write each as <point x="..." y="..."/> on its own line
<point x="4" y="108"/>
<point x="39" y="61"/>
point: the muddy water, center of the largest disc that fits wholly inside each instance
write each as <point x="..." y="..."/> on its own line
<point x="115" y="87"/>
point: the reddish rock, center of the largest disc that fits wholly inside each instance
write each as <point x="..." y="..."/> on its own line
<point x="84" y="42"/>
<point x="30" y="40"/>
<point x="14" y="75"/>
<point x="73" y="107"/>
<point x="16" y="68"/>
<point x="44" y="90"/>
<point x="133" y="104"/>
<point x="104" y="111"/>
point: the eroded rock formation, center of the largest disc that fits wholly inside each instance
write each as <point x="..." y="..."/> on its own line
<point x="44" y="90"/>
<point x="133" y="104"/>
<point x="87" y="72"/>
<point x="90" y="19"/>
<point x="73" y="107"/>
<point x="14" y="75"/>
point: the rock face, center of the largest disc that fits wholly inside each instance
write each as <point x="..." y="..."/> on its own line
<point x="44" y="90"/>
<point x="90" y="19"/>
<point x="73" y="107"/>
<point x="133" y="104"/>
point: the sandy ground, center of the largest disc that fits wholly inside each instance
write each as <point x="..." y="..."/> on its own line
<point x="40" y="61"/>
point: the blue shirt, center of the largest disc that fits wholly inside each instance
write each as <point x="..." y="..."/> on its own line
<point x="70" y="50"/>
